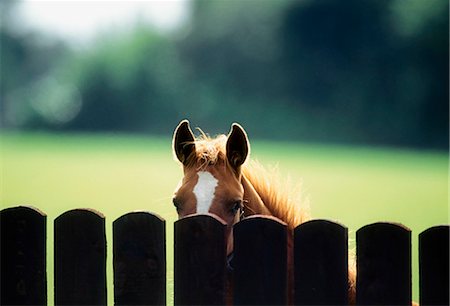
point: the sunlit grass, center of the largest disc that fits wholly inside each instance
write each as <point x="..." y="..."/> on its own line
<point x="116" y="174"/>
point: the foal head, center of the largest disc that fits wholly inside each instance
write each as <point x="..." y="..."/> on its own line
<point x="212" y="174"/>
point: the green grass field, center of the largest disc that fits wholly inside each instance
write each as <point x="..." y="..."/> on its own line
<point x="117" y="174"/>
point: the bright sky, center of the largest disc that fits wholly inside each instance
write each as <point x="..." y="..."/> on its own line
<point x="80" y="20"/>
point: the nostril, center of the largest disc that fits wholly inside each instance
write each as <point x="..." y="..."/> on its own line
<point x="177" y="204"/>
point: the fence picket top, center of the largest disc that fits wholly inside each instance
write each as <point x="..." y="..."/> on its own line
<point x="434" y="265"/>
<point x="394" y="226"/>
<point x="383" y="264"/>
<point x="435" y="231"/>
<point x="260" y="261"/>
<point x="23" y="256"/>
<point x="23" y="209"/>
<point x="81" y="212"/>
<point x="322" y="223"/>
<point x="141" y="213"/>
<point x="207" y="216"/>
<point x="321" y="263"/>
<point x="80" y="258"/>
<point x="200" y="260"/>
<point x="261" y="218"/>
<point x="139" y="257"/>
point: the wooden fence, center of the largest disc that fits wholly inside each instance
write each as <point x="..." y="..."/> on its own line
<point x="259" y="264"/>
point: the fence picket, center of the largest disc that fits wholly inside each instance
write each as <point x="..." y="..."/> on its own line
<point x="383" y="265"/>
<point x="260" y="261"/>
<point x="434" y="265"/>
<point x="80" y="258"/>
<point x="23" y="256"/>
<point x="139" y="247"/>
<point x="200" y="260"/>
<point x="321" y="263"/>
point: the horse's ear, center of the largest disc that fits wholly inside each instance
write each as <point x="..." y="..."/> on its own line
<point x="237" y="146"/>
<point x="183" y="142"/>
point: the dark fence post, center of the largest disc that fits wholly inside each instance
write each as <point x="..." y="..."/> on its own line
<point x="23" y="256"/>
<point x="260" y="261"/>
<point x="200" y="261"/>
<point x="80" y="258"/>
<point x="139" y="243"/>
<point x="434" y="265"/>
<point x="383" y="265"/>
<point x="321" y="263"/>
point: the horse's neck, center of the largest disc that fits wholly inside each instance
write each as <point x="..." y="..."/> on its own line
<point x="253" y="203"/>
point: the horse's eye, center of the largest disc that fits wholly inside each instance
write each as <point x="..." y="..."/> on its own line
<point x="236" y="207"/>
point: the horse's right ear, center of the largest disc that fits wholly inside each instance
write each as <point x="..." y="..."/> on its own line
<point x="183" y="142"/>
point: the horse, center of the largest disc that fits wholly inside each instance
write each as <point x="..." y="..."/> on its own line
<point x="219" y="178"/>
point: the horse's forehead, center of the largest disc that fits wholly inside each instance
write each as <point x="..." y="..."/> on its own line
<point x="213" y="175"/>
<point x="226" y="177"/>
<point x="205" y="190"/>
<point x="209" y="184"/>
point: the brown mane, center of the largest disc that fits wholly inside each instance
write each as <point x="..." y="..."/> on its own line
<point x="281" y="197"/>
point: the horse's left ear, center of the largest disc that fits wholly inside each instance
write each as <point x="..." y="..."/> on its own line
<point x="237" y="146"/>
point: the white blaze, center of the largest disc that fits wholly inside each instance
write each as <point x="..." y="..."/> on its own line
<point x="204" y="191"/>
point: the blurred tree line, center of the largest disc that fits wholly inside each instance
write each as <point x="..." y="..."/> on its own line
<point x="354" y="71"/>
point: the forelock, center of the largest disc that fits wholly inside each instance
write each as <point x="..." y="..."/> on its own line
<point x="208" y="151"/>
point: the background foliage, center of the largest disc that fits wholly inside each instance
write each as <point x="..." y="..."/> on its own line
<point x="367" y="72"/>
